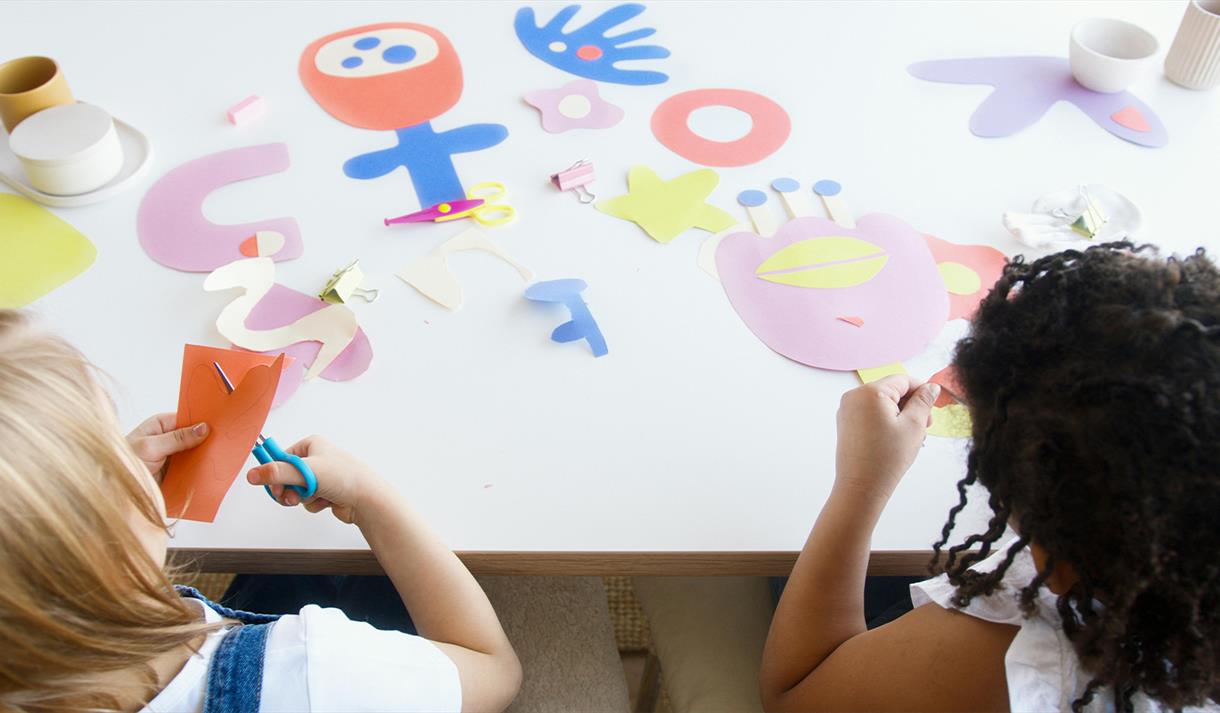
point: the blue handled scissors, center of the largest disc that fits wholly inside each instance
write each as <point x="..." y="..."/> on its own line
<point x="266" y="450"/>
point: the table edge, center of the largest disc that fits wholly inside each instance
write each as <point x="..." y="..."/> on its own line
<point x="910" y="563"/>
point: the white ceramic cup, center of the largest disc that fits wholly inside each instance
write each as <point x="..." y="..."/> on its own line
<point x="1109" y="55"/>
<point x="68" y="149"/>
<point x="1194" y="57"/>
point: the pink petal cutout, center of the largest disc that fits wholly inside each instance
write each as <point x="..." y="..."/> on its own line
<point x="1131" y="118"/>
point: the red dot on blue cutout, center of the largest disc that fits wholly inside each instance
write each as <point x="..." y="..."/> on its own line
<point x="589" y="52"/>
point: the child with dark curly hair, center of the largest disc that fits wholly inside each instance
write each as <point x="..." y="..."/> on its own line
<point x="1093" y="381"/>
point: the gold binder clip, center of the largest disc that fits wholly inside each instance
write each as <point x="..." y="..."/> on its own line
<point x="345" y="284"/>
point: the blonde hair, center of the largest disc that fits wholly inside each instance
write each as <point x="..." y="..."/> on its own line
<point x="80" y="597"/>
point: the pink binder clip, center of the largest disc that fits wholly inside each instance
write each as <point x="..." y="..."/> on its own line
<point x="575" y="178"/>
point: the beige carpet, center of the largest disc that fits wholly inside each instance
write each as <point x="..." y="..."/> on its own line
<point x="561" y="630"/>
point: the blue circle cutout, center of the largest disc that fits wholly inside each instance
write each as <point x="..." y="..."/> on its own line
<point x="367" y="43"/>
<point x="352" y="62"/>
<point x="785" y="185"/>
<point x="751" y="198"/>
<point x="398" y="54"/>
<point x="827" y="187"/>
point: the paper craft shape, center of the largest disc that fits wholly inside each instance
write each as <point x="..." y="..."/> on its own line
<point x="283" y="306"/>
<point x="575" y="105"/>
<point x="264" y="243"/>
<point x="334" y="325"/>
<point x="770" y="127"/>
<point x="197" y="480"/>
<point x="850" y="299"/>
<point x="1026" y="87"/>
<point x="582" y="325"/>
<point x="588" y="51"/>
<point x="430" y="275"/>
<point x="38" y="251"/>
<point x="171" y="224"/>
<point x="666" y="209"/>
<point x="397" y="76"/>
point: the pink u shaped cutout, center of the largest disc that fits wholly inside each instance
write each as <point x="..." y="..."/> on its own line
<point x="769" y="128"/>
<point x="171" y="224"/>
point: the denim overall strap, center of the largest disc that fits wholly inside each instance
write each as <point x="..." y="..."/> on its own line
<point x="235" y="673"/>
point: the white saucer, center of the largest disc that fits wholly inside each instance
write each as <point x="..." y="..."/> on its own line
<point x="1124" y="217"/>
<point x="137" y="157"/>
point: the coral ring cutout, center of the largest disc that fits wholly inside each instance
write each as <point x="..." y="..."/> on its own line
<point x="769" y="128"/>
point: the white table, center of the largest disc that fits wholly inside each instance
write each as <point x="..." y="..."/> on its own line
<point x="691" y="447"/>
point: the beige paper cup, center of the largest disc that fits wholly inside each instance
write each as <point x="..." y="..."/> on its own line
<point x="1194" y="58"/>
<point x="27" y="86"/>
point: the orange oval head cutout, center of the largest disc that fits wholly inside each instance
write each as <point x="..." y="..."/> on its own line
<point x="385" y="76"/>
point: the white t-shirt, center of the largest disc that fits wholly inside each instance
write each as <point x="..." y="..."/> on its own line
<point x="1041" y="666"/>
<point x="319" y="660"/>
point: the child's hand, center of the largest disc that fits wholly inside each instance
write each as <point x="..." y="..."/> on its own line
<point x="343" y="481"/>
<point x="881" y="427"/>
<point x="155" y="440"/>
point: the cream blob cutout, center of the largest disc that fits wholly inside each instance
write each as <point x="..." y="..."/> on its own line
<point x="330" y="56"/>
<point x="575" y="106"/>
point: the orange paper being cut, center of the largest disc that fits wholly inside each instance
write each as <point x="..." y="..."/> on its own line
<point x="198" y="479"/>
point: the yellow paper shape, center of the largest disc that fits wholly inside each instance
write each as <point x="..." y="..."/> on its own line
<point x="825" y="263"/>
<point x="868" y="376"/>
<point x="38" y="251"/>
<point x="959" y="279"/>
<point x="666" y="209"/>
<point x="952" y="421"/>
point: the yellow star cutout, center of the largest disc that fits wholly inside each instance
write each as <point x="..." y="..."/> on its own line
<point x="665" y="209"/>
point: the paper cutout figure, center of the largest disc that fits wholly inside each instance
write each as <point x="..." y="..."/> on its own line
<point x="582" y="325"/>
<point x="171" y="224"/>
<point x="862" y="299"/>
<point x="397" y="76"/>
<point x="38" y="251"/>
<point x="334" y="325"/>
<point x="769" y="128"/>
<point x="587" y="51"/>
<point x="666" y="209"/>
<point x="283" y="306"/>
<point x="575" y="105"/>
<point x="1026" y="87"/>
<point x="197" y="480"/>
<point x="430" y="275"/>
<point x="264" y="243"/>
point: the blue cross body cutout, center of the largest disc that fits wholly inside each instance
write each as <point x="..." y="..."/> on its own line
<point x="427" y="156"/>
<point x="588" y="51"/>
<point x="582" y="325"/>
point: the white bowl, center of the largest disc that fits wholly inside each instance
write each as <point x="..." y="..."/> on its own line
<point x="68" y="149"/>
<point x="1109" y="55"/>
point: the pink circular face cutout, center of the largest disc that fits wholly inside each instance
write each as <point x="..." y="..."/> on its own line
<point x="769" y="128"/>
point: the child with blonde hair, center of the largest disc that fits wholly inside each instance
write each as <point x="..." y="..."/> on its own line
<point x="90" y="621"/>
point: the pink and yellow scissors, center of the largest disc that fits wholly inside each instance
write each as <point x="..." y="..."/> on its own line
<point x="480" y="204"/>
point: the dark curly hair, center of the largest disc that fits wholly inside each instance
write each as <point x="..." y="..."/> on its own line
<point x="1093" y="382"/>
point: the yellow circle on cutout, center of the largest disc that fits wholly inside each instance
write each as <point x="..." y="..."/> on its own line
<point x="959" y="279"/>
<point x="444" y="208"/>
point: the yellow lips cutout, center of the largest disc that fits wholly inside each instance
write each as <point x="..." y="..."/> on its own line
<point x="826" y="263"/>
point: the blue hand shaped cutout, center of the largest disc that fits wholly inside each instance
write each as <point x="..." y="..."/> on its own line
<point x="587" y="51"/>
<point x="427" y="157"/>
<point x="582" y="324"/>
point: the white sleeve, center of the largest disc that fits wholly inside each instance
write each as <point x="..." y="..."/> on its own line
<point x="1002" y="607"/>
<point x="346" y="665"/>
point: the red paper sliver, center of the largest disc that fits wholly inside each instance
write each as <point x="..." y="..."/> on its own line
<point x="197" y="480"/>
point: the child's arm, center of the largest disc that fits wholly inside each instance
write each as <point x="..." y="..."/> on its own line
<point x="819" y="653"/>
<point x="443" y="599"/>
